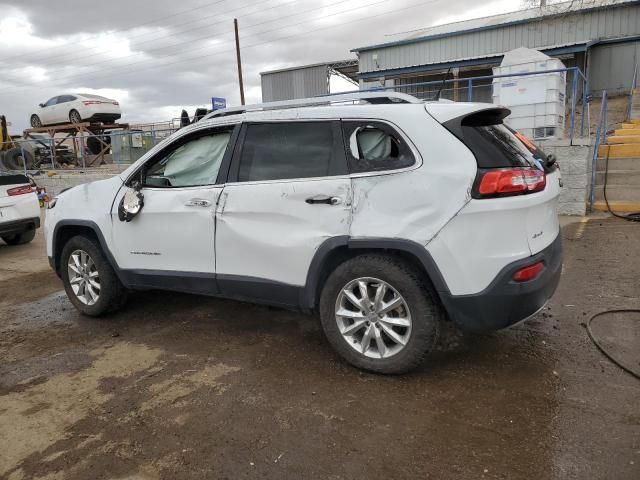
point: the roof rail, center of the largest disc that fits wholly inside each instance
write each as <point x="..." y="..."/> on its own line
<point x="369" y="97"/>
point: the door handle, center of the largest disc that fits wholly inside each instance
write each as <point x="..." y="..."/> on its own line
<point x="324" y="199"/>
<point x="198" y="202"/>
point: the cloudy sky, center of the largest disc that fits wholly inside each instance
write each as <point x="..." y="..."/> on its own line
<point x="158" y="56"/>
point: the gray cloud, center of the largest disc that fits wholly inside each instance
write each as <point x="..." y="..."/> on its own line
<point x="159" y="57"/>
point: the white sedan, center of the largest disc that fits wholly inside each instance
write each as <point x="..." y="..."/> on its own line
<point x="76" y="108"/>
<point x="19" y="209"/>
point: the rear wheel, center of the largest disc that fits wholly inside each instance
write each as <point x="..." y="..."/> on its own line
<point x="35" y="121"/>
<point x="20" y="238"/>
<point x="89" y="280"/>
<point x="74" y="116"/>
<point x="380" y="314"/>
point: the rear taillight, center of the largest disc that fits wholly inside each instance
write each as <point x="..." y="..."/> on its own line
<point x="12" y="192"/>
<point x="528" y="273"/>
<point x="503" y="182"/>
<point x="92" y="102"/>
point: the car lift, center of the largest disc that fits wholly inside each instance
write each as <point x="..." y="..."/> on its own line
<point x="78" y="132"/>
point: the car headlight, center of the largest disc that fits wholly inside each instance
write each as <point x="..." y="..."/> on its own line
<point x="52" y="203"/>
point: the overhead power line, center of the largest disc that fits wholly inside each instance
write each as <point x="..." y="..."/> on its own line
<point x="136" y="25"/>
<point x="163" y="36"/>
<point x="90" y="75"/>
<point x="220" y="52"/>
<point x="190" y="42"/>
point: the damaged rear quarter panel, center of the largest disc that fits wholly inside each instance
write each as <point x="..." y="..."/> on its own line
<point x="417" y="203"/>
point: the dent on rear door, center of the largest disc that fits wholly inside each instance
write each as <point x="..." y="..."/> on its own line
<point x="270" y="231"/>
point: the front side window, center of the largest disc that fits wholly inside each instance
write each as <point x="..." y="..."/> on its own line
<point x="51" y="101"/>
<point x="284" y="150"/>
<point x="375" y="146"/>
<point x="194" y="162"/>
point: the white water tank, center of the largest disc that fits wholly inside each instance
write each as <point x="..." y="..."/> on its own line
<point x="537" y="102"/>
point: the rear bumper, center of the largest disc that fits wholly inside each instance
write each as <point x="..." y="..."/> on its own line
<point x="104" y="117"/>
<point x="505" y="302"/>
<point x="19" y="226"/>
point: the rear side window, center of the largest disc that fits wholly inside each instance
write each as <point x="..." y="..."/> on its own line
<point x="494" y="144"/>
<point x="375" y="146"/>
<point x="284" y="150"/>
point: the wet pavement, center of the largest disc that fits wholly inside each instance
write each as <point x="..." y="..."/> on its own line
<point x="184" y="387"/>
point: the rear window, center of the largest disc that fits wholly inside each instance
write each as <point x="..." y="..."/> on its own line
<point x="494" y="144"/>
<point x="95" y="97"/>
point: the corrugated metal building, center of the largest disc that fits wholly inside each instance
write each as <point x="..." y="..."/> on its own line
<point x="304" y="82"/>
<point x="601" y="37"/>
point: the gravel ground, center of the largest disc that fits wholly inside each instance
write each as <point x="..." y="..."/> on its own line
<point x="184" y="387"/>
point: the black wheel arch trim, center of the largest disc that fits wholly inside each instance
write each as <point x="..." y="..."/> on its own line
<point x="310" y="291"/>
<point x="98" y="233"/>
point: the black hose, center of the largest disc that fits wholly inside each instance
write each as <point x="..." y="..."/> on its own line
<point x="632" y="217"/>
<point x="602" y="348"/>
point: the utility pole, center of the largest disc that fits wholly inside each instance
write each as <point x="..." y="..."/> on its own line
<point x="235" y="26"/>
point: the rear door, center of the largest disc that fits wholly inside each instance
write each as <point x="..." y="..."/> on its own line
<point x="288" y="191"/>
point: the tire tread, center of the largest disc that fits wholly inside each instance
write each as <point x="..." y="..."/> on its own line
<point x="430" y="312"/>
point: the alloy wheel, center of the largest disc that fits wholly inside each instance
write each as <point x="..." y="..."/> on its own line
<point x="75" y="117"/>
<point x="83" y="277"/>
<point x="373" y="318"/>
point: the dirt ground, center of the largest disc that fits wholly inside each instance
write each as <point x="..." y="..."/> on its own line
<point x="184" y="387"/>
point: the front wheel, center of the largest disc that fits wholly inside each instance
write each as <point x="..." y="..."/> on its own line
<point x="35" y="121"/>
<point x="89" y="280"/>
<point x="379" y="314"/>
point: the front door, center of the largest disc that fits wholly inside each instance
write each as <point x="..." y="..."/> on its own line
<point x="170" y="243"/>
<point x="47" y="113"/>
<point x="288" y="191"/>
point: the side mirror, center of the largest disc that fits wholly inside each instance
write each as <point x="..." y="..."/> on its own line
<point x="131" y="203"/>
<point x="41" y="105"/>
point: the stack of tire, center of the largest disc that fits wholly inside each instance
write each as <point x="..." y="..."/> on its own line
<point x="15" y="159"/>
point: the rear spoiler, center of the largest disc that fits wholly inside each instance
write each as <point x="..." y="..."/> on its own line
<point x="444" y="112"/>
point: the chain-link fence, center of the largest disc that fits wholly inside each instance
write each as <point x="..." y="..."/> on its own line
<point x="562" y="113"/>
<point x="114" y="149"/>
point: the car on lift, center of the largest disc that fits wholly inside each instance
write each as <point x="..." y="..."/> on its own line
<point x="76" y="108"/>
<point x="19" y="208"/>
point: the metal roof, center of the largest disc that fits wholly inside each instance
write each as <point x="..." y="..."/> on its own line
<point x="348" y="68"/>
<point x="498" y="21"/>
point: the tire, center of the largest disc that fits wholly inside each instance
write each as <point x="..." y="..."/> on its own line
<point x="111" y="294"/>
<point x="20" y="238"/>
<point x="14" y="159"/>
<point x="35" y="121"/>
<point x="421" y="309"/>
<point x="94" y="146"/>
<point x="75" y="117"/>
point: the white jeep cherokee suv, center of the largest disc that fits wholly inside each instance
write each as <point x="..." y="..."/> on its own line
<point x="387" y="216"/>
